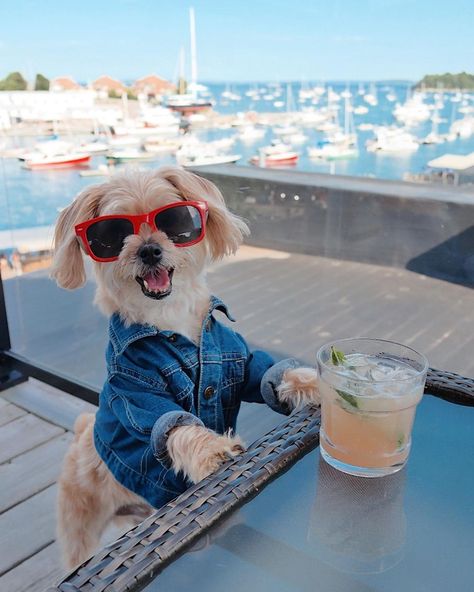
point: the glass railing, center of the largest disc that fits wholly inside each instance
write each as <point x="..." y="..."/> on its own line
<point x="328" y="257"/>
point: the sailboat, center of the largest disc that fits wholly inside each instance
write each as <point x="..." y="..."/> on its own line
<point x="339" y="145"/>
<point x="188" y="103"/>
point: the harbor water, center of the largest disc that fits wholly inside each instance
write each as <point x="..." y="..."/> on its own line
<point x="34" y="198"/>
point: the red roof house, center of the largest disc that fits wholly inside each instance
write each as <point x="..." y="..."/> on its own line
<point x="64" y="83"/>
<point x="152" y="86"/>
<point x="106" y="84"/>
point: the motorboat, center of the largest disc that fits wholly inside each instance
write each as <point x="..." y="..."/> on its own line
<point x="250" y="133"/>
<point x="334" y="150"/>
<point x="360" y="110"/>
<point x="129" y="155"/>
<point x="94" y="147"/>
<point x="194" y="152"/>
<point x="163" y="145"/>
<point x="413" y="111"/>
<point x="54" y="154"/>
<point x="276" y="154"/>
<point x="206" y="159"/>
<point x="393" y="139"/>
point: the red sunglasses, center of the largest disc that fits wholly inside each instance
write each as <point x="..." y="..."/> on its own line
<point x="183" y="222"/>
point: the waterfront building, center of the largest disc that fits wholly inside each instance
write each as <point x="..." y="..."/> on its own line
<point x="64" y="83"/>
<point x="152" y="86"/>
<point x="106" y="84"/>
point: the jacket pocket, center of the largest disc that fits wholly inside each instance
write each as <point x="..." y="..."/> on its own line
<point x="233" y="375"/>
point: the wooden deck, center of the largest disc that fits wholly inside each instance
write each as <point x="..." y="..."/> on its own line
<point x="33" y="440"/>
<point x="287" y="304"/>
<point x="35" y="430"/>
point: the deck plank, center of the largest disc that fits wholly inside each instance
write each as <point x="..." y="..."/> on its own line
<point x="31" y="472"/>
<point x="23" y="434"/>
<point x="36" y="573"/>
<point x="9" y="412"/>
<point x="37" y="515"/>
<point x="48" y="402"/>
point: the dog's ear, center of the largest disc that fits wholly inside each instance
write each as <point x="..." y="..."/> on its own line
<point x="225" y="231"/>
<point x="68" y="265"/>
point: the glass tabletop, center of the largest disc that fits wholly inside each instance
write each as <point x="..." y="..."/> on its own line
<point x="315" y="528"/>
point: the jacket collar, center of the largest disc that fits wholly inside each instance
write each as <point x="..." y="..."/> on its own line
<point x="122" y="336"/>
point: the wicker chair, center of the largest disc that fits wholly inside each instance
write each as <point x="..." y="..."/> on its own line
<point x="134" y="559"/>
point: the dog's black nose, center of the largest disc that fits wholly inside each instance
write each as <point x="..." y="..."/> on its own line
<point x="150" y="254"/>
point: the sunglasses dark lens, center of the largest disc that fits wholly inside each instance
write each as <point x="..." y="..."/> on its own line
<point x="106" y="237"/>
<point x="182" y="224"/>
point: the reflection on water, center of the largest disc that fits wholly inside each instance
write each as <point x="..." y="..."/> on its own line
<point x="357" y="524"/>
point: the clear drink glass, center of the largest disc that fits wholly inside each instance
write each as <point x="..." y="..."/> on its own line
<point x="369" y="392"/>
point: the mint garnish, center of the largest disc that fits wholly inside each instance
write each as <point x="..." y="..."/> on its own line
<point x="351" y="399"/>
<point x="337" y="357"/>
<point x="401" y="440"/>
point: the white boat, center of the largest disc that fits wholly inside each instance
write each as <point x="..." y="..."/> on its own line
<point x="42" y="161"/>
<point x="365" y="127"/>
<point x="194" y="152"/>
<point x="206" y="159"/>
<point x="328" y="151"/>
<point x="393" y="140"/>
<point x="124" y="141"/>
<point x="54" y="154"/>
<point x="285" y="130"/>
<point x="413" y="111"/>
<point x="433" y="138"/>
<point x="297" y="138"/>
<point x="163" y="146"/>
<point x="463" y="128"/>
<point x="276" y="154"/>
<point x="361" y="110"/>
<point x="371" y="99"/>
<point x="102" y="170"/>
<point x="249" y="133"/>
<point x="94" y="147"/>
<point x="128" y="155"/>
<point x="157" y="120"/>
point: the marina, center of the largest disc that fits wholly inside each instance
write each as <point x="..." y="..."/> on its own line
<point x="368" y="130"/>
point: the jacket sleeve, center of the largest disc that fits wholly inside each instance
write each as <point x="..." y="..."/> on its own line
<point x="256" y="365"/>
<point x="146" y="413"/>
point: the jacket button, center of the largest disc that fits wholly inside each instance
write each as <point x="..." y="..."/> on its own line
<point x="172" y="338"/>
<point x="208" y="392"/>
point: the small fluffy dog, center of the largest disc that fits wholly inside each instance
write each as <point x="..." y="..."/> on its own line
<point x="176" y="375"/>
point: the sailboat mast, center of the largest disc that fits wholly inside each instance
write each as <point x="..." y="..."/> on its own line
<point x="192" y="32"/>
<point x="182" y="75"/>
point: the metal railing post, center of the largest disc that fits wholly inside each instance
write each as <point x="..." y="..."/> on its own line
<point x="8" y="375"/>
<point x="5" y="343"/>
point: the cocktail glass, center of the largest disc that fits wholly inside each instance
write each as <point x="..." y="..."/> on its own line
<point x="369" y="392"/>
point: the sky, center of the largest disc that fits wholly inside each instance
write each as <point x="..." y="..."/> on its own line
<point x="238" y="40"/>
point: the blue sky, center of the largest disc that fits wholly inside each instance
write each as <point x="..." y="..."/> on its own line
<point x="239" y="40"/>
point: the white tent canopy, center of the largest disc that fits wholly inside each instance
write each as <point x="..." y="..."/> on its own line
<point x="455" y="162"/>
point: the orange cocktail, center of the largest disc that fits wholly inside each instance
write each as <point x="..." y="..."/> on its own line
<point x="369" y="392"/>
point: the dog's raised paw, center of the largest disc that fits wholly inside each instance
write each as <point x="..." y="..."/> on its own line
<point x="299" y="387"/>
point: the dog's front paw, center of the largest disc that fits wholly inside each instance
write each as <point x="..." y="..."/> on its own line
<point x="197" y="451"/>
<point x="299" y="387"/>
<point x="215" y="451"/>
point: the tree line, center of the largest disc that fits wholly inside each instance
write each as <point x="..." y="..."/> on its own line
<point x="461" y="81"/>
<point x="15" y="81"/>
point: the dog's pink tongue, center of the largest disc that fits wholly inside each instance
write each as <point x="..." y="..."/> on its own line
<point x="157" y="281"/>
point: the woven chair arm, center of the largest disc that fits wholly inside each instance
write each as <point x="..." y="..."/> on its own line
<point x="450" y="387"/>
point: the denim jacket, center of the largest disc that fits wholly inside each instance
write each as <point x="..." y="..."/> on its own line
<point x="158" y="380"/>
